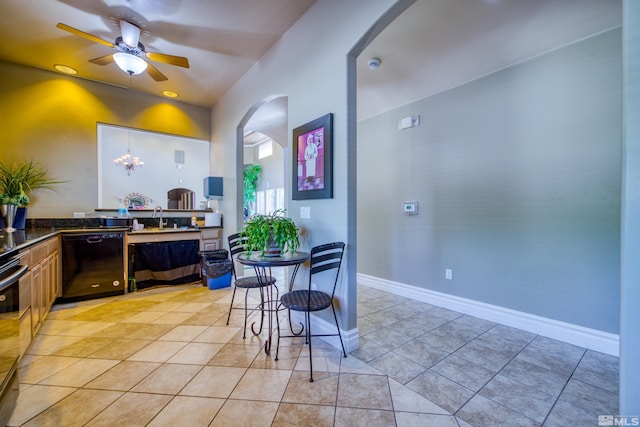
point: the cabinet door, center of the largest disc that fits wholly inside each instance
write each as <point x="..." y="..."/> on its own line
<point x="25" y="331"/>
<point x="26" y="327"/>
<point x="44" y="289"/>
<point x="49" y="290"/>
<point x="25" y="292"/>
<point x="56" y="287"/>
<point x="36" y="298"/>
<point x="210" y="239"/>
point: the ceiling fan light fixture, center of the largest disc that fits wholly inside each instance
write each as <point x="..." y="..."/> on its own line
<point x="129" y="63"/>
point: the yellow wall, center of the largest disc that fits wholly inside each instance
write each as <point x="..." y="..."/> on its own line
<point x="51" y="118"/>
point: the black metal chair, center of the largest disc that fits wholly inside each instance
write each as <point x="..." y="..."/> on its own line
<point x="323" y="258"/>
<point x="237" y="244"/>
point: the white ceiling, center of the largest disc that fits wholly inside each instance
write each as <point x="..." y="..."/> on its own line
<point x="431" y="47"/>
<point x="439" y="44"/>
<point x="221" y="38"/>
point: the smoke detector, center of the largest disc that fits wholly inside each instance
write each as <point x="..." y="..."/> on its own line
<point x="374" y="63"/>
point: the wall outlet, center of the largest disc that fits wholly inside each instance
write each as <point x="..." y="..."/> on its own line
<point x="448" y="274"/>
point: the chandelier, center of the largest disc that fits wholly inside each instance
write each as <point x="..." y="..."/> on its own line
<point x="128" y="161"/>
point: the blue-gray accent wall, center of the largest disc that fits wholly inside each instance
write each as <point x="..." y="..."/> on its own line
<point x="517" y="177"/>
<point x="630" y="312"/>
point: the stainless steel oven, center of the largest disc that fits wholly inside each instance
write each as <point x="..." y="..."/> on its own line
<point x="10" y="273"/>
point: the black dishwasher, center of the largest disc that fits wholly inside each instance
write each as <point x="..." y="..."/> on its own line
<point x="92" y="265"/>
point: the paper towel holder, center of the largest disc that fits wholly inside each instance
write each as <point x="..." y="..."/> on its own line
<point x="213" y="188"/>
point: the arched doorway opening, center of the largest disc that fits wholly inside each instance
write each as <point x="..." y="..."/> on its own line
<point x="261" y="140"/>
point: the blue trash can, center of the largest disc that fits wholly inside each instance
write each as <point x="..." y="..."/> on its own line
<point x="216" y="267"/>
<point x="223" y="281"/>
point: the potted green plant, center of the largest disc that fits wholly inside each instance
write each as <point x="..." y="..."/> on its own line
<point x="271" y="235"/>
<point x="17" y="180"/>
<point x="250" y="184"/>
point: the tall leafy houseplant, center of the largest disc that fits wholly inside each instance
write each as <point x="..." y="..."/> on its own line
<point x="251" y="174"/>
<point x="19" y="178"/>
<point x="271" y="235"/>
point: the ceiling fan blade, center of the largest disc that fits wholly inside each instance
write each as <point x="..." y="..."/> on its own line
<point x="130" y="33"/>
<point x="155" y="74"/>
<point x="103" y="60"/>
<point x="83" y="34"/>
<point x="180" y="61"/>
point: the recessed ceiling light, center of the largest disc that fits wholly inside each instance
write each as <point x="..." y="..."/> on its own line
<point x="65" y="69"/>
<point x="169" y="94"/>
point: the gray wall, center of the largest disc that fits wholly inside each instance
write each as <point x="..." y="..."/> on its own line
<point x="630" y="315"/>
<point x="313" y="88"/>
<point x="517" y="176"/>
<point x="272" y="175"/>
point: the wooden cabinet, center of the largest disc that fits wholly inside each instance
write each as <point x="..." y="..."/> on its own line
<point x="210" y="239"/>
<point x="36" y="298"/>
<point x="26" y="328"/>
<point x="39" y="287"/>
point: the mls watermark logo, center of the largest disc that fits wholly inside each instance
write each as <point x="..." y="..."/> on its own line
<point x="618" y="420"/>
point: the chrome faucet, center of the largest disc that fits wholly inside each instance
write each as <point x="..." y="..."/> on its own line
<point x="156" y="209"/>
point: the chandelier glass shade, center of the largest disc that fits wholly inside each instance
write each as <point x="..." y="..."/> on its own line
<point x="127" y="161"/>
<point x="130" y="63"/>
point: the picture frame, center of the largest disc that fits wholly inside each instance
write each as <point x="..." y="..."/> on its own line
<point x="313" y="159"/>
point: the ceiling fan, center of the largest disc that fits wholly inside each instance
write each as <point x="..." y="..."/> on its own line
<point x="131" y="55"/>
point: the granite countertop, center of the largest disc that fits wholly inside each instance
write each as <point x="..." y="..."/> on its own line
<point x="12" y="242"/>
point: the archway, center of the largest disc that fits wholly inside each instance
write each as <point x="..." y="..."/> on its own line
<point x="266" y="121"/>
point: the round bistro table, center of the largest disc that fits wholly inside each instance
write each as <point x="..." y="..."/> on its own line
<point x="262" y="266"/>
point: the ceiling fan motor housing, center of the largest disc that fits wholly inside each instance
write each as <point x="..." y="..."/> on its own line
<point x="123" y="47"/>
<point x="131" y="56"/>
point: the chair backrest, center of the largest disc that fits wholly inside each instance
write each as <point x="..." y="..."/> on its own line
<point x="326" y="257"/>
<point x="237" y="243"/>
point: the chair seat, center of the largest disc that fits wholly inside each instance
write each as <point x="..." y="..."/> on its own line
<point x="253" y="282"/>
<point x="299" y="300"/>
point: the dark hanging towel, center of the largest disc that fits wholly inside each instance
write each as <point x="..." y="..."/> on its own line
<point x="167" y="263"/>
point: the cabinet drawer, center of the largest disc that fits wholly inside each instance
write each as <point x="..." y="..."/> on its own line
<point x="210" y="233"/>
<point x="39" y="252"/>
<point x="54" y="245"/>
<point x="209" y="245"/>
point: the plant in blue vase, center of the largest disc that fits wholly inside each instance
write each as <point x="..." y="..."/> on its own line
<point x="17" y="180"/>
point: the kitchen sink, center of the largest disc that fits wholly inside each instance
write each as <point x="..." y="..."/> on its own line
<point x="163" y="230"/>
<point x="156" y="234"/>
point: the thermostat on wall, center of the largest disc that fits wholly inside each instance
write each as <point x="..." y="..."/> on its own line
<point x="410" y="208"/>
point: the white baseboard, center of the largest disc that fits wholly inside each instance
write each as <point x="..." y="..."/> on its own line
<point x="350" y="338"/>
<point x="592" y="339"/>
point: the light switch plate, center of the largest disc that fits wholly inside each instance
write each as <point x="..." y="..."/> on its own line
<point x="305" y="212"/>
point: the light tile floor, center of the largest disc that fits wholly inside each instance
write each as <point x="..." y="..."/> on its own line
<point x="165" y="357"/>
